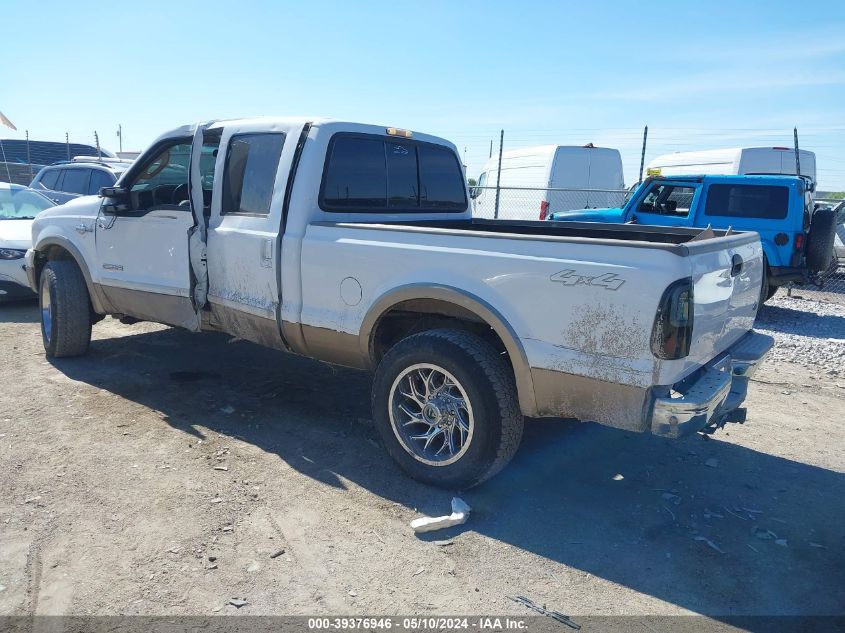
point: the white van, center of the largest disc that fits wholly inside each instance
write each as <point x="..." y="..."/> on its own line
<point x="532" y="176"/>
<point x="734" y="161"/>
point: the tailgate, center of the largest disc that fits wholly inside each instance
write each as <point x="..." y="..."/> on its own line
<point x="727" y="273"/>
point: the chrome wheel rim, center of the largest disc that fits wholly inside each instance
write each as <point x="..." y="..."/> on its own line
<point x="46" y="315"/>
<point x="431" y="414"/>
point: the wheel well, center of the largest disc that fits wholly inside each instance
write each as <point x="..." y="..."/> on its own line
<point x="417" y="315"/>
<point x="52" y="253"/>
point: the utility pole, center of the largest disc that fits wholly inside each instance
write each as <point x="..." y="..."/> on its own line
<point x="797" y="155"/>
<point x="97" y="141"/>
<point x="642" y="156"/>
<point x="490" y="155"/>
<point x="499" y="173"/>
<point x="28" y="155"/>
<point x="67" y="145"/>
<point x="120" y="136"/>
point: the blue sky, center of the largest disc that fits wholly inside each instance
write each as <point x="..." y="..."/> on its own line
<point x="701" y="75"/>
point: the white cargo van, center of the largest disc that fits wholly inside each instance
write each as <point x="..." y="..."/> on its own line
<point x="531" y="177"/>
<point x="734" y="161"/>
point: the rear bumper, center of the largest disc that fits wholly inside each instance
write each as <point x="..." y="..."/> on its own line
<point x="713" y="392"/>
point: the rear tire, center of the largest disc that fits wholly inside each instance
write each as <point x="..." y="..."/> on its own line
<point x="422" y="378"/>
<point x="65" y="309"/>
<point x="766" y="291"/>
<point x="820" y="241"/>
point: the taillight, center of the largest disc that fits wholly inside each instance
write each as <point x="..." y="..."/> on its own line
<point x="799" y="241"/>
<point x="671" y="335"/>
<point x="544" y="209"/>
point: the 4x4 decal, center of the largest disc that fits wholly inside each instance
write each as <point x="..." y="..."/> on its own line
<point x="608" y="281"/>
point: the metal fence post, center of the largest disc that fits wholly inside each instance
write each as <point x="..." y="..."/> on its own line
<point x="642" y="156"/>
<point x="28" y="155"/>
<point x="499" y="174"/>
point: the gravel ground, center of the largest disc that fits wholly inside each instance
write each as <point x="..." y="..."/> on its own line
<point x="808" y="333"/>
<point x="167" y="473"/>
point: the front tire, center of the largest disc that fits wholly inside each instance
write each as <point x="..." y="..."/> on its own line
<point x="446" y="408"/>
<point x="65" y="309"/>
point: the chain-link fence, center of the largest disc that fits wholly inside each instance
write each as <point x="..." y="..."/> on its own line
<point x="829" y="285"/>
<point x="22" y="158"/>
<point x="530" y="203"/>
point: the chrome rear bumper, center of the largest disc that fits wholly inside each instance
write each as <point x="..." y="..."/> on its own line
<point x="718" y="389"/>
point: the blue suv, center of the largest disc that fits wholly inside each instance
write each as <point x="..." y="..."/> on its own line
<point x="797" y="240"/>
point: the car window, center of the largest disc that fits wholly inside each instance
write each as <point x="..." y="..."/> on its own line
<point x="76" y="181"/>
<point x="59" y="179"/>
<point x="356" y="176"/>
<point x="441" y="179"/>
<point x="667" y="199"/>
<point x="21" y="203"/>
<point x="163" y="180"/>
<point x="368" y="173"/>
<point x="250" y="173"/>
<point x="402" y="186"/>
<point x="99" y="179"/>
<point x="48" y="179"/>
<point x="747" y="201"/>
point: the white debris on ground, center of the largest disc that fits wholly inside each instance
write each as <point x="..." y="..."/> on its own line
<point x="460" y="514"/>
<point x="809" y="333"/>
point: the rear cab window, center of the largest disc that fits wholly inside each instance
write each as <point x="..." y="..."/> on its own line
<point x="747" y="201"/>
<point x="370" y="173"/>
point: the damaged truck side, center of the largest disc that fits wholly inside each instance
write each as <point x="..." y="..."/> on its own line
<point x="354" y="244"/>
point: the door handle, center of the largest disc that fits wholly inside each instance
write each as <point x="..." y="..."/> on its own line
<point x="736" y="265"/>
<point x="267" y="253"/>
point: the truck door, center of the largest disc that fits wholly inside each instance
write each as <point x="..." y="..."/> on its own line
<point x="142" y="251"/>
<point x="244" y="232"/>
<point x="668" y="203"/>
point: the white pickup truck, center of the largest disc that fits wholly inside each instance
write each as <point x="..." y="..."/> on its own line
<point x="353" y="244"/>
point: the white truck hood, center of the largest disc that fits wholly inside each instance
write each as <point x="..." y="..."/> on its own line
<point x="83" y="206"/>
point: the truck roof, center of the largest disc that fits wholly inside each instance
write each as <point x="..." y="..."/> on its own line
<point x="758" y="179"/>
<point x="321" y="122"/>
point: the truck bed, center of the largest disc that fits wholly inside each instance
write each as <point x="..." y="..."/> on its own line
<point x="679" y="240"/>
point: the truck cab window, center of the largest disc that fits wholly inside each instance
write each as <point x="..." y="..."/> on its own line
<point x="163" y="181"/>
<point x="379" y="174"/>
<point x="250" y="173"/>
<point x="665" y="199"/>
<point x="441" y="179"/>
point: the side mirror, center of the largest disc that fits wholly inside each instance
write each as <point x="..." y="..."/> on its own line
<point x="113" y="192"/>
<point x="116" y="200"/>
<point x="115" y="209"/>
<point x="474" y="192"/>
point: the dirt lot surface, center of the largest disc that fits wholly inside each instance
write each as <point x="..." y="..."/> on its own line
<point x="166" y="471"/>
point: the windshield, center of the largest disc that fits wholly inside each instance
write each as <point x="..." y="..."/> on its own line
<point x="21" y="204"/>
